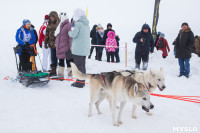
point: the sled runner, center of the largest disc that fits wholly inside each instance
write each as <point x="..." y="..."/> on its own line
<point x="30" y="77"/>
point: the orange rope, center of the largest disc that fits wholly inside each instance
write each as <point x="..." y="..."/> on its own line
<point x="69" y="80"/>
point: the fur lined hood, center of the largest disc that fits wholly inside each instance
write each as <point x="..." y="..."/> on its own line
<point x="55" y="15"/>
<point x="187" y="30"/>
<point x="109" y="34"/>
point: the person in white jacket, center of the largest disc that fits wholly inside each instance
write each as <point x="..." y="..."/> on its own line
<point x="46" y="61"/>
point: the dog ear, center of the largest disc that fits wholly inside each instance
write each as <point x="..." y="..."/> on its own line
<point x="153" y="75"/>
<point x="161" y="69"/>
<point x="135" y="89"/>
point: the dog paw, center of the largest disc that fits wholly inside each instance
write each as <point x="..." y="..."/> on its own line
<point x="120" y="122"/>
<point x="116" y="124"/>
<point x="100" y="113"/>
<point x="134" y="116"/>
<point x="149" y="113"/>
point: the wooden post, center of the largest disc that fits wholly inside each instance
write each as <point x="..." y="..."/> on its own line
<point x="126" y="54"/>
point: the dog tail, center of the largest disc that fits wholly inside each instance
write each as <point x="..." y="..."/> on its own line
<point x="79" y="74"/>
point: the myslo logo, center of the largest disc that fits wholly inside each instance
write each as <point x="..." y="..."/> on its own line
<point x="185" y="129"/>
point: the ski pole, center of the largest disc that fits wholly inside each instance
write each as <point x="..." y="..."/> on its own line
<point x="40" y="62"/>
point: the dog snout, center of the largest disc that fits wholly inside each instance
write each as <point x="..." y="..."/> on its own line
<point x="151" y="106"/>
<point x="163" y="87"/>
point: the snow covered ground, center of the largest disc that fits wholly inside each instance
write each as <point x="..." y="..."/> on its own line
<point x="59" y="108"/>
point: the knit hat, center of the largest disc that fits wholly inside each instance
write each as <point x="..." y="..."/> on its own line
<point x="145" y="26"/>
<point x="99" y="26"/>
<point x="109" y="24"/>
<point x="184" y="24"/>
<point x="46" y="17"/>
<point x="26" y="21"/>
<point x="162" y="35"/>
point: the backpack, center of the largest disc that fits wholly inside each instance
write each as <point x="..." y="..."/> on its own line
<point x="160" y="44"/>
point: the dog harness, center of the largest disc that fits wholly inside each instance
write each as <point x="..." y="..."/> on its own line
<point x="103" y="79"/>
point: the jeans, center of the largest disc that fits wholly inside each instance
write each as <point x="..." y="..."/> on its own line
<point x="184" y="66"/>
<point x="54" y="60"/>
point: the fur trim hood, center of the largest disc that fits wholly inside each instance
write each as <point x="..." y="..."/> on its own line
<point x="55" y="15"/>
<point x="109" y="34"/>
<point x="187" y="30"/>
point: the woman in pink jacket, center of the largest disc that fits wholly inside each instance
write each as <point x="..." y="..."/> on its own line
<point x="63" y="44"/>
<point x="111" y="45"/>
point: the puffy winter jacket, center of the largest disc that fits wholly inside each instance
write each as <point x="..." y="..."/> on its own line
<point x="184" y="44"/>
<point x="111" y="43"/>
<point x="165" y="46"/>
<point x="148" y="45"/>
<point x="93" y="35"/>
<point x="63" y="41"/>
<point x="81" y="37"/>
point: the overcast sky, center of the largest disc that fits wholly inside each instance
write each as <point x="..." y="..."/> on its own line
<point x="127" y="16"/>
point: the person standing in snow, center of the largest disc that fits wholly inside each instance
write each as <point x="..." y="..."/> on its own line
<point x="117" y="50"/>
<point x="25" y="37"/>
<point x="46" y="61"/>
<point x="93" y="41"/>
<point x="145" y="44"/>
<point x="63" y="44"/>
<point x="156" y="39"/>
<point x="80" y="42"/>
<point x="99" y="37"/>
<point x="50" y="40"/>
<point x="109" y="28"/>
<point x="197" y="45"/>
<point x="162" y="44"/>
<point x="111" y="45"/>
<point x="184" y="44"/>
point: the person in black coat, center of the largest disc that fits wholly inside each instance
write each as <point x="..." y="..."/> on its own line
<point x="145" y="44"/>
<point x="109" y="28"/>
<point x="93" y="41"/>
<point x="183" y="46"/>
<point x="156" y="40"/>
<point x="99" y="37"/>
<point x="117" y="50"/>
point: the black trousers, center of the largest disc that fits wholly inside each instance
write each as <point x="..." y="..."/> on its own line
<point x="62" y="62"/>
<point x="79" y="61"/>
<point x="143" y="57"/>
<point x="24" y="62"/>
<point x="110" y="55"/>
<point x="92" y="49"/>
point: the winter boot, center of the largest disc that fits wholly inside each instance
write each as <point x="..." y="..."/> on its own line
<point x="69" y="71"/>
<point x="89" y="57"/>
<point x="53" y="71"/>
<point x="145" y="65"/>
<point x="99" y="56"/>
<point x="61" y="72"/>
<point x="137" y="66"/>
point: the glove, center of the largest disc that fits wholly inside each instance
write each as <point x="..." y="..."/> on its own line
<point x="26" y="46"/>
<point x="46" y="46"/>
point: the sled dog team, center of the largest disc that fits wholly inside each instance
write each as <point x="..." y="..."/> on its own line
<point x="122" y="87"/>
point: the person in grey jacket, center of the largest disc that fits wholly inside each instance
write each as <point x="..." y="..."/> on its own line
<point x="80" y="42"/>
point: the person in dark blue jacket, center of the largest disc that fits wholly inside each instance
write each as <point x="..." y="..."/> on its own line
<point x="93" y="41"/>
<point x="145" y="44"/>
<point x="99" y="37"/>
<point x="25" y="37"/>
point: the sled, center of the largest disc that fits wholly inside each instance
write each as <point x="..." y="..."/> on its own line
<point x="30" y="77"/>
